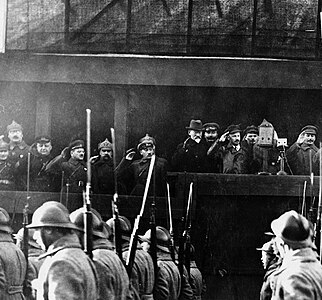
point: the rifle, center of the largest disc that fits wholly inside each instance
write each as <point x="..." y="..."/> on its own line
<point x="171" y="246"/>
<point x="115" y="210"/>
<point x="153" y="241"/>
<point x="88" y="217"/>
<point x="184" y="247"/>
<point x="134" y="236"/>
<point x="318" y="225"/>
<point x="303" y="208"/>
<point x="311" y="210"/>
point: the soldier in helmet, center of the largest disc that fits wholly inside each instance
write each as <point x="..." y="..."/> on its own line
<point x="169" y="283"/>
<point x="17" y="146"/>
<point x="40" y="156"/>
<point x="7" y="171"/>
<point x="67" y="272"/>
<point x="135" y="175"/>
<point x="13" y="263"/>
<point x="142" y="273"/>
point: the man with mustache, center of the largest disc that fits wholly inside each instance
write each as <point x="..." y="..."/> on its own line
<point x="251" y="136"/>
<point x="71" y="167"/>
<point x="229" y="150"/>
<point x="18" y="149"/>
<point x="300" y="154"/>
<point x="135" y="175"/>
<point x="191" y="155"/>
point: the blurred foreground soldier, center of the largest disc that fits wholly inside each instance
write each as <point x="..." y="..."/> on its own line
<point x="103" y="169"/>
<point x="34" y="251"/>
<point x="71" y="166"/>
<point x="229" y="150"/>
<point x="300" y="154"/>
<point x="18" y="149"/>
<point x="251" y="136"/>
<point x="211" y="137"/>
<point x="67" y="272"/>
<point x="190" y="155"/>
<point x="40" y="156"/>
<point x="196" y="282"/>
<point x="135" y="175"/>
<point x="169" y="284"/>
<point x="7" y="179"/>
<point x="271" y="263"/>
<point x="142" y="274"/>
<point x="113" y="282"/>
<point x="13" y="264"/>
<point x="300" y="275"/>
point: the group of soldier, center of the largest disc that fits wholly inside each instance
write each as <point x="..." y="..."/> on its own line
<point x="291" y="261"/>
<point x="57" y="267"/>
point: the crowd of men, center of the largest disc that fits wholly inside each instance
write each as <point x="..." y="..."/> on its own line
<point x="205" y="150"/>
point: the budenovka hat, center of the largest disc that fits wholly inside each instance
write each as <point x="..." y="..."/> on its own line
<point x="146" y="141"/>
<point x="162" y="237"/>
<point x="294" y="229"/>
<point x="105" y="144"/>
<point x="195" y="125"/>
<point x="14" y="126"/>
<point x="251" y="129"/>
<point x="311" y="129"/>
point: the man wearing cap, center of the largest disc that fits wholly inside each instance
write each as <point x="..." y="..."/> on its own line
<point x="113" y="281"/>
<point x="229" y="150"/>
<point x="191" y="155"/>
<point x="251" y="135"/>
<point x="300" y="155"/>
<point x="40" y="156"/>
<point x="17" y="146"/>
<point x="211" y="137"/>
<point x="67" y="272"/>
<point x="169" y="283"/>
<point x="7" y="170"/>
<point x="13" y="264"/>
<point x="271" y="263"/>
<point x="300" y="275"/>
<point x="71" y="167"/>
<point x="142" y="273"/>
<point x="134" y="177"/>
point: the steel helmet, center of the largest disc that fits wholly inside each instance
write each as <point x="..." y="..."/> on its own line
<point x="77" y="217"/>
<point x="125" y="226"/>
<point x="51" y="214"/>
<point x="163" y="238"/>
<point x="5" y="221"/>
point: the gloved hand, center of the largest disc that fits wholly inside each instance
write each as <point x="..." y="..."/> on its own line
<point x="129" y="154"/>
<point x="64" y="153"/>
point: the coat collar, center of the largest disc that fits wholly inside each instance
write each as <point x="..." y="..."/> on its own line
<point x="67" y="241"/>
<point x="22" y="145"/>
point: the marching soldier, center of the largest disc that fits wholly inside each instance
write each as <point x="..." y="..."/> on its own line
<point x="190" y="155"/>
<point x="7" y="171"/>
<point x="142" y="274"/>
<point x="112" y="276"/>
<point x="169" y="284"/>
<point x="40" y="156"/>
<point x="300" y="154"/>
<point x="18" y="149"/>
<point x="135" y="175"/>
<point x="13" y="263"/>
<point x="67" y="272"/>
